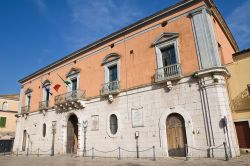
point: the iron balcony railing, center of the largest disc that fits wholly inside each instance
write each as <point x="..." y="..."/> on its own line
<point x="43" y="105"/>
<point x="25" y="109"/>
<point x="70" y="96"/>
<point x="110" y="88"/>
<point x="168" y="72"/>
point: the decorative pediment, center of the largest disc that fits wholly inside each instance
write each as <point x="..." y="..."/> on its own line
<point x="166" y="36"/>
<point x="46" y="83"/>
<point x="28" y="91"/>
<point x="110" y="57"/>
<point x="73" y="71"/>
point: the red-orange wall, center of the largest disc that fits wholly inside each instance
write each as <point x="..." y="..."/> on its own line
<point x="137" y="69"/>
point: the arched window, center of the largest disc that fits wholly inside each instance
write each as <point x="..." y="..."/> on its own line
<point x="113" y="124"/>
<point x="44" y="130"/>
<point x="5" y="106"/>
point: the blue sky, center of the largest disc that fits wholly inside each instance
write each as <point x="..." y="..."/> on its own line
<point x="35" y="33"/>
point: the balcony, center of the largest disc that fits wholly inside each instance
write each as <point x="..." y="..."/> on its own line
<point x="25" y="110"/>
<point x="110" y="88"/>
<point x="44" y="105"/>
<point x="168" y="73"/>
<point x="70" y="101"/>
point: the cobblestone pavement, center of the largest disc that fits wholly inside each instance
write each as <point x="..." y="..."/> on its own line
<point x="79" y="161"/>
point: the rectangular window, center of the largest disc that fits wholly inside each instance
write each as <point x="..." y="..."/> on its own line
<point x="28" y="98"/>
<point x="168" y="56"/>
<point x="113" y="73"/>
<point x="74" y="84"/>
<point x="47" y="93"/>
<point x="2" y="122"/>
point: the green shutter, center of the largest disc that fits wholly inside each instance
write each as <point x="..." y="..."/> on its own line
<point x="2" y="121"/>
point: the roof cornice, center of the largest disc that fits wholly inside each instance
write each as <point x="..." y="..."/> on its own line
<point x="174" y="8"/>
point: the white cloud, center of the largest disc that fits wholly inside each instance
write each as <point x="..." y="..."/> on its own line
<point x="239" y="23"/>
<point x="40" y="4"/>
<point x="93" y="19"/>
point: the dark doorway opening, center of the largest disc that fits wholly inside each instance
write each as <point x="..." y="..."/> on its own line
<point x="72" y="134"/>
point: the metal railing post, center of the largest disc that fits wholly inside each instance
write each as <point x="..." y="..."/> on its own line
<point x="225" y="148"/>
<point x="119" y="153"/>
<point x="92" y="153"/>
<point x="38" y="152"/>
<point x="186" y="152"/>
<point x="71" y="151"/>
<point x="153" y="153"/>
<point x="27" y="154"/>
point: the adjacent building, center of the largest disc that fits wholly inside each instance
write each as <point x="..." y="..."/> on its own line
<point x="160" y="82"/>
<point x="8" y="110"/>
<point x="239" y="93"/>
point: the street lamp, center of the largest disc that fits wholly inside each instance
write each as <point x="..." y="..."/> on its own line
<point x="84" y="125"/>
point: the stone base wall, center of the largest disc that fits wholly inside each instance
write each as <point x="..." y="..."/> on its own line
<point x="142" y="110"/>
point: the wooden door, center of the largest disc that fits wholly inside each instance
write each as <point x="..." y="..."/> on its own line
<point x="243" y="134"/>
<point x="176" y="135"/>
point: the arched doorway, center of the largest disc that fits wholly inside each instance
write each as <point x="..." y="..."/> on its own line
<point x="72" y="134"/>
<point x="176" y="135"/>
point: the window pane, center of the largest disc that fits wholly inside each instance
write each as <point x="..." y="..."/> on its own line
<point x="29" y="98"/>
<point x="47" y="89"/>
<point x="113" y="124"/>
<point x="74" y="84"/>
<point x="113" y="73"/>
<point x="168" y="56"/>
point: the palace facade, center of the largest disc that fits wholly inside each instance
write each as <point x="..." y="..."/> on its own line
<point x="160" y="82"/>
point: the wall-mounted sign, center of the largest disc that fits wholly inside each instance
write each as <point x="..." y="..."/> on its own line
<point x="94" y="122"/>
<point x="137" y="117"/>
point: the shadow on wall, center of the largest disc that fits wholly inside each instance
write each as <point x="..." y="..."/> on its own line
<point x="241" y="102"/>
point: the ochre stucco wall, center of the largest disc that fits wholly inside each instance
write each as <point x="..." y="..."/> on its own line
<point x="10" y="121"/>
<point x="9" y="114"/>
<point x="237" y="87"/>
<point x="12" y="104"/>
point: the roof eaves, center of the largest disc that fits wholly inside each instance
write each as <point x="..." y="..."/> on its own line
<point x="110" y="37"/>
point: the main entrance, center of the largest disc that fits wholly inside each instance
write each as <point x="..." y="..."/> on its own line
<point x="72" y="134"/>
<point x="176" y="135"/>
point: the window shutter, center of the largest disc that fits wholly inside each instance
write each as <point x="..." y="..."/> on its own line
<point x="159" y="57"/>
<point x="2" y="121"/>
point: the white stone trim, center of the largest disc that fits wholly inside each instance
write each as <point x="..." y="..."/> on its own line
<point x="243" y="120"/>
<point x="205" y="41"/>
<point x="106" y="69"/>
<point x="64" y="132"/>
<point x="158" y="48"/>
<point x="162" y="127"/>
<point x="119" y="127"/>
<point x="77" y="76"/>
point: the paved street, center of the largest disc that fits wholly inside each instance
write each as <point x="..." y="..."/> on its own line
<point x="79" y="161"/>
